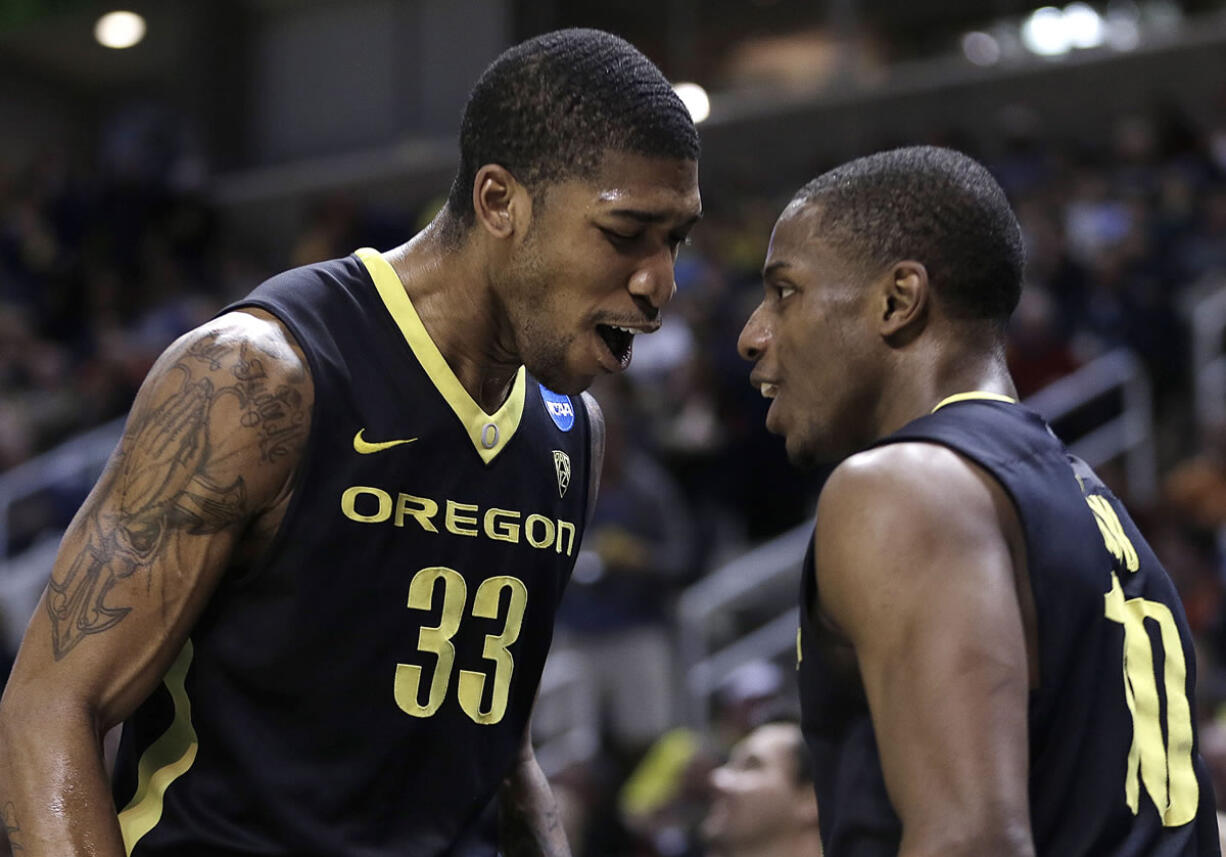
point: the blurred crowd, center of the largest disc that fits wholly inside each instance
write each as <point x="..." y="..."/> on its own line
<point x="102" y="266"/>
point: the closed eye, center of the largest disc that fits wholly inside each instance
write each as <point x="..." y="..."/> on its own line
<point x="618" y="239"/>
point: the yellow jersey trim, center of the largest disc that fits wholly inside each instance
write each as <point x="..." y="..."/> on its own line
<point x="489" y="433"/>
<point x="166" y="759"/>
<point x="974" y="394"/>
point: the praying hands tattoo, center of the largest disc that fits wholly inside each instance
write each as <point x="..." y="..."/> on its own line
<point x="178" y="472"/>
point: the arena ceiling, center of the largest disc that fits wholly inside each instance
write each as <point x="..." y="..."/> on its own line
<point x="708" y="40"/>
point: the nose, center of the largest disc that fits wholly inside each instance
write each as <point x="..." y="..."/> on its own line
<point x="754" y="336"/>
<point x="653" y="280"/>
<point x="719" y="779"/>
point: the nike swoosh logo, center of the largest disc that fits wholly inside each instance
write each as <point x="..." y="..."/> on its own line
<point x="365" y="447"/>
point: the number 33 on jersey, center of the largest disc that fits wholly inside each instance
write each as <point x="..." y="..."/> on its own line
<point x="437" y="640"/>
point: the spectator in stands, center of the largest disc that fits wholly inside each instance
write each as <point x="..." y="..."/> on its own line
<point x="762" y="799"/>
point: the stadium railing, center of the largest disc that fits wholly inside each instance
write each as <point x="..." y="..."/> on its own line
<point x="1207" y="318"/>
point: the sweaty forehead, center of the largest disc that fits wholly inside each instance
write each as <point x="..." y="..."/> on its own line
<point x="628" y="180"/>
<point x="793" y="239"/>
<point x="800" y="243"/>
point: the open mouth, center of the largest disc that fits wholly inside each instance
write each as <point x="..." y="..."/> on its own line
<point x="620" y="342"/>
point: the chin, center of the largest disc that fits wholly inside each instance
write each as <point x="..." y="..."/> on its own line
<point x="808" y="456"/>
<point x="566" y="383"/>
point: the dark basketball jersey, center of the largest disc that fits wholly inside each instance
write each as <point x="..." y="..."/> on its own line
<point x="366" y="689"/>
<point x="1114" y="768"/>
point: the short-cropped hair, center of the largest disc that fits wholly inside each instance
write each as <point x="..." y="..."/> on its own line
<point x="934" y="206"/>
<point x="551" y="107"/>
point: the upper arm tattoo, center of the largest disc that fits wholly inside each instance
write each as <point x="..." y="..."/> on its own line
<point x="177" y="471"/>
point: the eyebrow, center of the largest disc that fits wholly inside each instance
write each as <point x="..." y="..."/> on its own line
<point x="773" y="267"/>
<point x="652" y="216"/>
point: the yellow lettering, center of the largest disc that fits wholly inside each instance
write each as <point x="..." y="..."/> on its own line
<point x="462" y="519"/>
<point x="349" y="504"/>
<point x="426" y="509"/>
<point x="530" y="528"/>
<point x="454" y="518"/>
<point x="499" y="525"/>
<point x="1163" y="768"/>
<point x="1116" y="540"/>
<point x="436" y="640"/>
<point x="567" y="528"/>
<point x="472" y="683"/>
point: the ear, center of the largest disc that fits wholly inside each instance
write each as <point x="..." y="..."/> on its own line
<point x="502" y="205"/>
<point x="905" y="300"/>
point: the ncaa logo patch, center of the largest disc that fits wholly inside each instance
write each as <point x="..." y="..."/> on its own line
<point x="560" y="409"/>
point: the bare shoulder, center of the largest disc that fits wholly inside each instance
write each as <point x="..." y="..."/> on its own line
<point x="918" y="482"/>
<point x="895" y="518"/>
<point x="243" y="376"/>
<point x="252" y="338"/>
<point x="216" y="430"/>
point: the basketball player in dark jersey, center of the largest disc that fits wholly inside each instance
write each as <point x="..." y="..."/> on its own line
<point x="992" y="660"/>
<point x="319" y="575"/>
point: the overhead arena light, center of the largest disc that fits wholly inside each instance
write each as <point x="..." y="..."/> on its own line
<point x="1044" y="32"/>
<point x="1084" y="25"/>
<point x="981" y="48"/>
<point x="119" y="30"/>
<point x="1051" y="32"/>
<point x="695" y="99"/>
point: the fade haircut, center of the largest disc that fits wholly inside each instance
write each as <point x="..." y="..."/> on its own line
<point x="932" y="205"/>
<point x="549" y="108"/>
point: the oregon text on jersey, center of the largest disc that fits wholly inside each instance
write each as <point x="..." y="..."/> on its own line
<point x="369" y="505"/>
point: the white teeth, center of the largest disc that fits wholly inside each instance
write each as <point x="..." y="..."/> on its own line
<point x="769" y="391"/>
<point x="623" y="329"/>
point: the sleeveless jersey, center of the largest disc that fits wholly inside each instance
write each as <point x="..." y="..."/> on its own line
<point x="1114" y="767"/>
<point x="366" y="689"/>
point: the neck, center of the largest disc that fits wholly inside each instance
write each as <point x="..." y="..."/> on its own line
<point x="935" y="376"/>
<point x="452" y="293"/>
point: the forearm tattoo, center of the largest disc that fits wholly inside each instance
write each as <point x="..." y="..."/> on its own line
<point x="176" y="473"/>
<point x="11" y="828"/>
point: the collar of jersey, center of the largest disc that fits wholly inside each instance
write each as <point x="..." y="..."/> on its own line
<point x="974" y="394"/>
<point x="475" y="420"/>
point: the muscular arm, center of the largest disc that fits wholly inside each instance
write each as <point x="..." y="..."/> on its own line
<point x="211" y="444"/>
<point x="914" y="566"/>
<point x="528" y="822"/>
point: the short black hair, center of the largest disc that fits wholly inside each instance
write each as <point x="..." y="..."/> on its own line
<point x="550" y="107"/>
<point x="936" y="206"/>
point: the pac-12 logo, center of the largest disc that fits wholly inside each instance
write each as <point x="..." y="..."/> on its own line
<point x="560" y="409"/>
